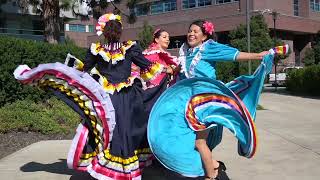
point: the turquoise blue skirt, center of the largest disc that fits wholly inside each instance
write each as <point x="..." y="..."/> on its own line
<point x="198" y="104"/>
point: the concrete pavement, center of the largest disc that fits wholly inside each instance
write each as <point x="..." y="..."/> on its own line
<point x="289" y="141"/>
<point x="288" y="149"/>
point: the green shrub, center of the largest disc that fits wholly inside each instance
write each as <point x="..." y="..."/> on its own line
<point x="226" y="71"/>
<point x="306" y="80"/>
<point x="311" y="80"/>
<point x="309" y="58"/>
<point x="14" y="51"/>
<point x="49" y="117"/>
<point x="294" y="80"/>
<point x="145" y="35"/>
<point x="259" y="107"/>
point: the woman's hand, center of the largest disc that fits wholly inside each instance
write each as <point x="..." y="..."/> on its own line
<point x="177" y="69"/>
<point x="169" y="70"/>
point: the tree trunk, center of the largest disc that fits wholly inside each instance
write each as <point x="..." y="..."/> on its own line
<point x="51" y="19"/>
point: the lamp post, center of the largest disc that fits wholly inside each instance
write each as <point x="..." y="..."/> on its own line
<point x="177" y="43"/>
<point x="248" y="33"/>
<point x="248" y="17"/>
<point x="274" y="17"/>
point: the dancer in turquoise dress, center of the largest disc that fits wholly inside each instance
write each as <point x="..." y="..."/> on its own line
<point x="186" y="122"/>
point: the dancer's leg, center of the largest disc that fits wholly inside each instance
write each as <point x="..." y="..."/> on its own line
<point x="210" y="165"/>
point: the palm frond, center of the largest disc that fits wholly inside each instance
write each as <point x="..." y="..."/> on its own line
<point x="66" y="4"/>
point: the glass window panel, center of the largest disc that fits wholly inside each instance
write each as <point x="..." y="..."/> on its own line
<point x="225" y="1"/>
<point x="141" y="9"/>
<point x="315" y="5"/>
<point x="156" y="8"/>
<point x="73" y="27"/>
<point x="204" y="2"/>
<point x="81" y="28"/>
<point x="170" y="5"/>
<point x="189" y="4"/>
<point x="91" y="28"/>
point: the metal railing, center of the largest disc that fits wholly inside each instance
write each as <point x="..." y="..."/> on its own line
<point x="21" y="31"/>
<point x="26" y="33"/>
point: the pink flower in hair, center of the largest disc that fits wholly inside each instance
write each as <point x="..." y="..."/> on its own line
<point x="208" y="27"/>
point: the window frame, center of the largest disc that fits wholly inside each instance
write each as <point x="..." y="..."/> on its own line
<point x="296" y="11"/>
<point x="76" y="26"/>
<point x="185" y="5"/>
<point x="314" y="5"/>
<point x="163" y="4"/>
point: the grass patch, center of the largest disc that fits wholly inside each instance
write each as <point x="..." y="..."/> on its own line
<point x="259" y="107"/>
<point x="49" y="117"/>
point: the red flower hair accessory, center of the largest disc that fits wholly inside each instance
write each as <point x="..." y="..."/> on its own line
<point x="208" y="27"/>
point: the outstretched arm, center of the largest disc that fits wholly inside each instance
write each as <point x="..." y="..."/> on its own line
<point x="244" y="56"/>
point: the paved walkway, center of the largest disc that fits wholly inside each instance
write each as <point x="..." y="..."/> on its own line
<point x="289" y="148"/>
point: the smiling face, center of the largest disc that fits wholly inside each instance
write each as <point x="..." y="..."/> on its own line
<point x="195" y="36"/>
<point x="163" y="40"/>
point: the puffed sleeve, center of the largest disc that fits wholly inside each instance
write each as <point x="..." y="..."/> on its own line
<point x="89" y="61"/>
<point x="214" y="51"/>
<point x="170" y="60"/>
<point x="148" y="70"/>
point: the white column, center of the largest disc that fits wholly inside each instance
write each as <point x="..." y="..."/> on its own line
<point x="87" y="28"/>
<point x="67" y="27"/>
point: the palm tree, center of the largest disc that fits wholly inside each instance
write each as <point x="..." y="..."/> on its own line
<point x="49" y="11"/>
<point x="97" y="8"/>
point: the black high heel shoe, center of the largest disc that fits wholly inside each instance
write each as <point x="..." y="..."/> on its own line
<point x="222" y="166"/>
<point x="222" y="175"/>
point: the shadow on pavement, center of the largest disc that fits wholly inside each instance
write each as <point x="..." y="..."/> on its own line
<point x="154" y="172"/>
<point x="157" y="172"/>
<point x="59" y="167"/>
<point x="81" y="176"/>
<point x="284" y="91"/>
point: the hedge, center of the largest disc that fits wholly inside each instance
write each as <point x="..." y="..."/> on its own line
<point x="48" y="117"/>
<point x="306" y="80"/>
<point x="14" y="51"/>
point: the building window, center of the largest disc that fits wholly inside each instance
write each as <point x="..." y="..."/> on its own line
<point x="141" y="9"/>
<point x="222" y="1"/>
<point x="315" y="5"/>
<point x="204" y="2"/>
<point x="186" y="4"/>
<point x="77" y="28"/>
<point x="189" y="4"/>
<point x="170" y="5"/>
<point x="225" y="1"/>
<point x="296" y="7"/>
<point x="91" y="28"/>
<point x="163" y="6"/>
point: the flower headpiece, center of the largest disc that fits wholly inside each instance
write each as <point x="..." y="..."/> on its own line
<point x="104" y="19"/>
<point x="208" y="27"/>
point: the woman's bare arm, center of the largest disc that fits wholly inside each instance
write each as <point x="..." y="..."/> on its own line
<point x="244" y="56"/>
